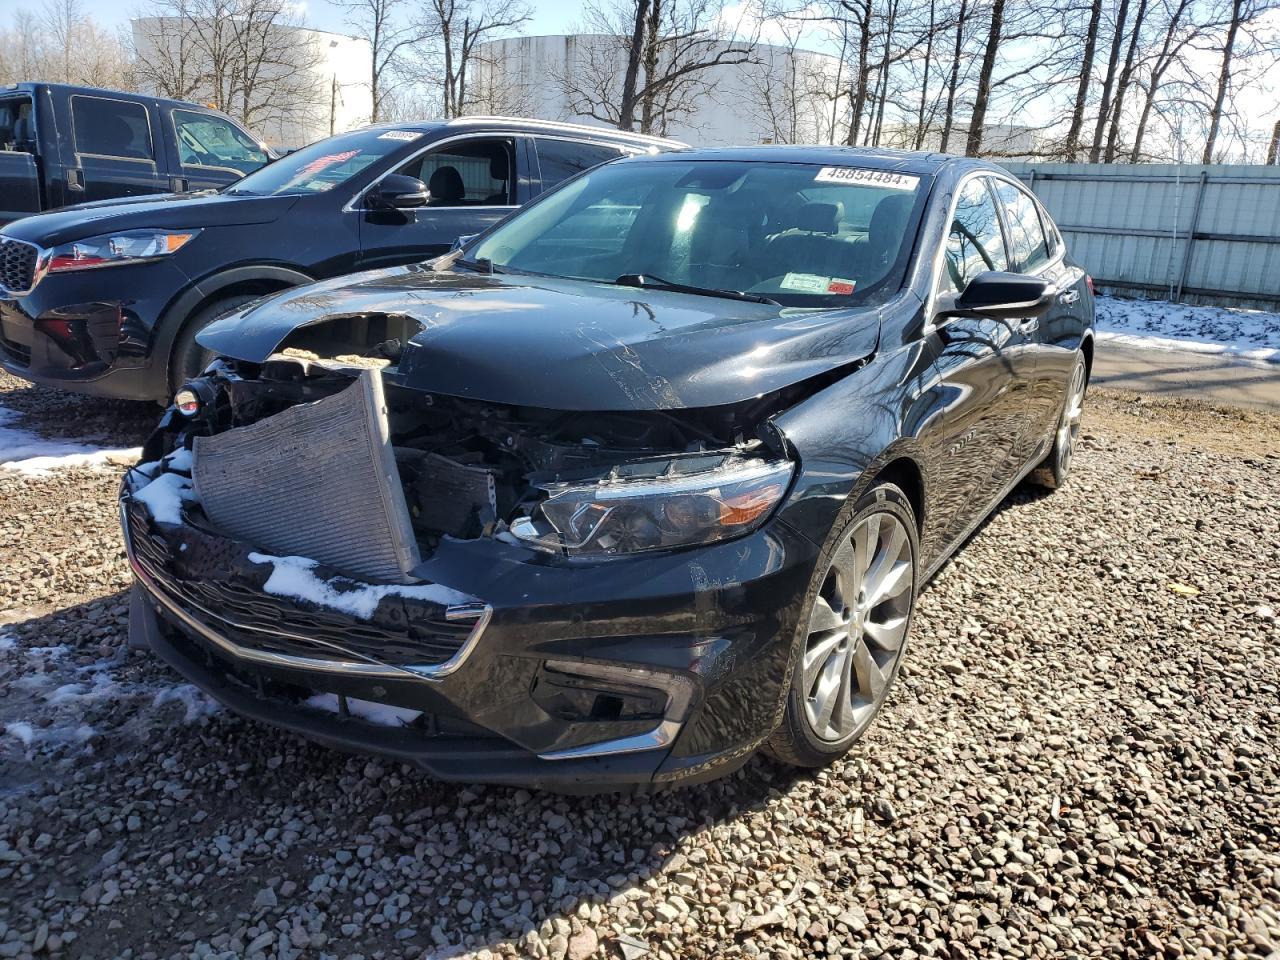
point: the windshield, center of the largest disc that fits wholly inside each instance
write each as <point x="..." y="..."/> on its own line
<point x="800" y="234"/>
<point x="325" y="164"/>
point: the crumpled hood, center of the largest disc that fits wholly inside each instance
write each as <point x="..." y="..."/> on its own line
<point x="176" y="211"/>
<point x="566" y="344"/>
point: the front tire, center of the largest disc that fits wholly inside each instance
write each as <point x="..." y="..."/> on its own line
<point x="1053" y="470"/>
<point x="189" y="359"/>
<point x="860" y="605"/>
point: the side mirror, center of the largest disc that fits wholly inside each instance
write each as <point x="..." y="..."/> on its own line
<point x="396" y="191"/>
<point x="1002" y="296"/>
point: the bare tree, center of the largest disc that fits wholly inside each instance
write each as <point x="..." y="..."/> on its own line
<point x="246" y="57"/>
<point x="1072" y="145"/>
<point x="649" y="58"/>
<point x="381" y="24"/>
<point x="459" y="27"/>
<point x="60" y="43"/>
<point x="981" y="99"/>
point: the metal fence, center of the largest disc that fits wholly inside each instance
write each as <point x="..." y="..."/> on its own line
<point x="1196" y="234"/>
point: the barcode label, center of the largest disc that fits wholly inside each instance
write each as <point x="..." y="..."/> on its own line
<point x="888" y="179"/>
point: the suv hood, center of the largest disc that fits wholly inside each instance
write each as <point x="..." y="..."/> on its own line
<point x="178" y="211"/>
<point x="565" y="344"/>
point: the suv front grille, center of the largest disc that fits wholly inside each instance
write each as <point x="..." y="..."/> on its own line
<point x="255" y="620"/>
<point x="18" y="261"/>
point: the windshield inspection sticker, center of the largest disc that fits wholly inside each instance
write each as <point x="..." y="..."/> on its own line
<point x="399" y="135"/>
<point x="888" y="179"/>
<point x="805" y="283"/>
<point x="840" y="285"/>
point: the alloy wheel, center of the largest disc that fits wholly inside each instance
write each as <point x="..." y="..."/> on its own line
<point x="1069" y="427"/>
<point x="857" y="627"/>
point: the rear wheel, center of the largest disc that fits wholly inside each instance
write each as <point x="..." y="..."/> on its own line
<point x="189" y="358"/>
<point x="860" y="606"/>
<point x="1052" y="472"/>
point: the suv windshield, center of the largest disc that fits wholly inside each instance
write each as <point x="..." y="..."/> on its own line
<point x="325" y="164"/>
<point x="801" y="234"/>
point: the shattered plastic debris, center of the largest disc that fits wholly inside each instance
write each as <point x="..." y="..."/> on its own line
<point x="294" y="577"/>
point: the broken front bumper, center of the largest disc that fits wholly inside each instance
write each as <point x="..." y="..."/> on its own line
<point x="567" y="676"/>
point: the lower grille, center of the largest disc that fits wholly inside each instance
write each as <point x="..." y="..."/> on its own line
<point x="16" y="352"/>
<point x="401" y="632"/>
<point x="18" y="261"/>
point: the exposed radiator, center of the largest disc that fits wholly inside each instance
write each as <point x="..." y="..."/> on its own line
<point x="318" y="480"/>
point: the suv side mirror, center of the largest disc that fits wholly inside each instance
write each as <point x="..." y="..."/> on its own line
<point x="1002" y="296"/>
<point x="396" y="191"/>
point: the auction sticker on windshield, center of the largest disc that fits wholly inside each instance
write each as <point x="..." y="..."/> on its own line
<point x="812" y="283"/>
<point x="889" y="179"/>
<point x="399" y="135"/>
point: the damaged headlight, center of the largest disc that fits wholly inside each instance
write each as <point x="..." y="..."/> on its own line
<point x="656" y="505"/>
<point x="128" y="246"/>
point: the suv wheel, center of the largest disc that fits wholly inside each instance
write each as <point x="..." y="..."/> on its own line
<point x="860" y="606"/>
<point x="189" y="358"/>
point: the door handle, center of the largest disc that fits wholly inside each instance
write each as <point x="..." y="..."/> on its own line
<point x="1029" y="326"/>
<point x="178" y="184"/>
<point x="75" y="180"/>
<point x="1069" y="296"/>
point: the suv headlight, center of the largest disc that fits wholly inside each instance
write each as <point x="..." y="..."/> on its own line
<point x="109" y="250"/>
<point x="656" y="505"/>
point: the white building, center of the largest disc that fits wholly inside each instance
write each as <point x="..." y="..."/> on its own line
<point x="324" y="88"/>
<point x="779" y="99"/>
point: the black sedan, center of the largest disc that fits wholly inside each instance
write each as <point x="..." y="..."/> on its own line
<point x="107" y="298"/>
<point x="639" y="481"/>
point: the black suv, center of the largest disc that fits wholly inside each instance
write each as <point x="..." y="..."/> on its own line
<point x="107" y="299"/>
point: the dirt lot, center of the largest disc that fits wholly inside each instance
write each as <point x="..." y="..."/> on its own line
<point x="1081" y="759"/>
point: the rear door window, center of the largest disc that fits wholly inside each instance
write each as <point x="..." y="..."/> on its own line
<point x="112" y="128"/>
<point x="559" y="160"/>
<point x="1028" y="248"/>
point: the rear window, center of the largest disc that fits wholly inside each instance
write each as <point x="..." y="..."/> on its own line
<point x="111" y="128"/>
<point x="1027" y="245"/>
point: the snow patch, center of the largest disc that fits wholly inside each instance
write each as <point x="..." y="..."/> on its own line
<point x="23" y="731"/>
<point x="164" y="496"/>
<point x="7" y="642"/>
<point x="383" y="714"/>
<point x="23" y="451"/>
<point x="295" y="577"/>
<point x="1157" y="325"/>
<point x="198" y="704"/>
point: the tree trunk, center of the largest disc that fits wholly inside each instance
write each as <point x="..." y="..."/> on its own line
<point x="1104" y="108"/>
<point x="954" y="81"/>
<point x="1274" y="148"/>
<point x="858" y="96"/>
<point x="974" y="142"/>
<point x="627" y="107"/>
<point x="1122" y="86"/>
<point x="924" y="85"/>
<point x="652" y="53"/>
<point x="1224" y="81"/>
<point x="1072" y="147"/>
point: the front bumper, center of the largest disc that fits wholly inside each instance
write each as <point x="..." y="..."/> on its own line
<point x="687" y="652"/>
<point x="91" y="331"/>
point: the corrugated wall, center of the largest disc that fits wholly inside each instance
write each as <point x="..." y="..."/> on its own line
<point x="1206" y="234"/>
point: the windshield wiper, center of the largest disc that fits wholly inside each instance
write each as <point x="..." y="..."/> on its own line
<point x="649" y="281"/>
<point x="479" y="265"/>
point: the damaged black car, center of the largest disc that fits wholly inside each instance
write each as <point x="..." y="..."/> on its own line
<point x="641" y="480"/>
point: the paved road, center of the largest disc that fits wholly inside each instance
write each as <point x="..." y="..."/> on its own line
<point x="1205" y="376"/>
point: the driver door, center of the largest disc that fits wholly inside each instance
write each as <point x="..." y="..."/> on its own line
<point x="474" y="183"/>
<point x="980" y="363"/>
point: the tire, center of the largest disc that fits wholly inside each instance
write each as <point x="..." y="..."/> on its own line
<point x="1053" y="470"/>
<point x="188" y="358"/>
<point x="849" y="647"/>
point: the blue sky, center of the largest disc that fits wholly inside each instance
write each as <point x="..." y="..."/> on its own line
<point x="550" y="16"/>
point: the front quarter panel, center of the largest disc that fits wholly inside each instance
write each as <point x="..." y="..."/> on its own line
<point x="845" y="433"/>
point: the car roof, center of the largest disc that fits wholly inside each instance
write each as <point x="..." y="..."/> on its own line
<point x="529" y="125"/>
<point x="28" y="86"/>
<point x="874" y="158"/>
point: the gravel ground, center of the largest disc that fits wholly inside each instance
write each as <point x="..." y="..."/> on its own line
<point x="1080" y="760"/>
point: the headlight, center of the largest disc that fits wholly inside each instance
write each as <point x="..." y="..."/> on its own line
<point x="657" y="505"/>
<point x="128" y="246"/>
